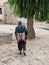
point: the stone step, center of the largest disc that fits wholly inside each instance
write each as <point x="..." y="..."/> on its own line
<point x="5" y="38"/>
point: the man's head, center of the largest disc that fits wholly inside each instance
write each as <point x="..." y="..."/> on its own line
<point x="20" y="22"/>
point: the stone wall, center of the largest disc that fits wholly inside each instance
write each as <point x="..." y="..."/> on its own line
<point x="9" y="17"/>
<point x="2" y="15"/>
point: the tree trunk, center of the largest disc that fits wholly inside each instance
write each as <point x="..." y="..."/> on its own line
<point x="31" y="32"/>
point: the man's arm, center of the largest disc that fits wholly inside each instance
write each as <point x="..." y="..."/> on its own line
<point x="15" y="31"/>
<point x="26" y="32"/>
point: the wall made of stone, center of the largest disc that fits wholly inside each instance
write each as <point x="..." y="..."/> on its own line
<point x="9" y="17"/>
<point x="2" y="15"/>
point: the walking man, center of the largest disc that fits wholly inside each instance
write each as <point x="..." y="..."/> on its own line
<point x="21" y="36"/>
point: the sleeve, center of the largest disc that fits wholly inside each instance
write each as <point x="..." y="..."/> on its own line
<point x="26" y="32"/>
<point x="15" y="31"/>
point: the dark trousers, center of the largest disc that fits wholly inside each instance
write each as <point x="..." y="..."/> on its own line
<point x="21" y="45"/>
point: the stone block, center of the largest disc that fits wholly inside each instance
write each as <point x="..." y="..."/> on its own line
<point x="5" y="38"/>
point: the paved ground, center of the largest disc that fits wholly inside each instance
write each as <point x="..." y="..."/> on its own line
<point x="37" y="49"/>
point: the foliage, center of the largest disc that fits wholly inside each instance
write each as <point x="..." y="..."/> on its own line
<point x="23" y="7"/>
<point x="42" y="11"/>
<point x="39" y="8"/>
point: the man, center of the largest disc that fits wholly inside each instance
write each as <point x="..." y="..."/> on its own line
<point x="21" y="34"/>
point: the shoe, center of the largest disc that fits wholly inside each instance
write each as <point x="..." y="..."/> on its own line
<point x="24" y="54"/>
<point x="20" y="52"/>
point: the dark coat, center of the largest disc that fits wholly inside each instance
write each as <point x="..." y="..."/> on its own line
<point x="21" y="28"/>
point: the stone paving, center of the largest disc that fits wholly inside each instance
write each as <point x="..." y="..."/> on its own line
<point x="37" y="51"/>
